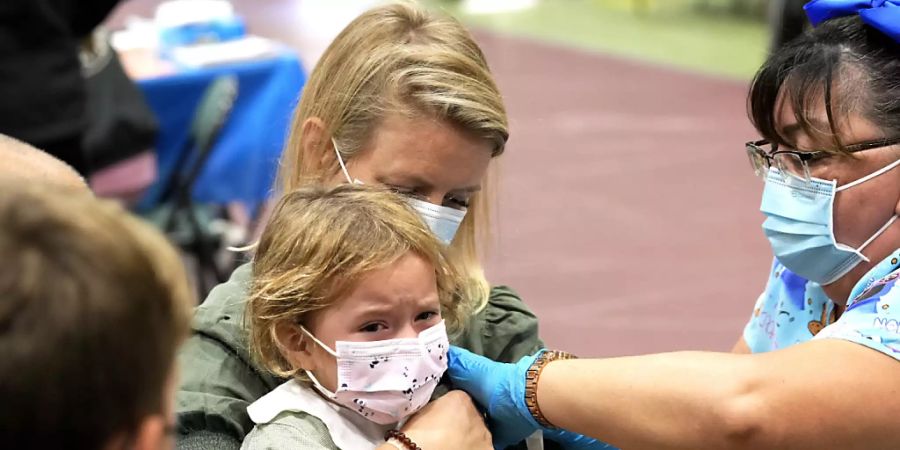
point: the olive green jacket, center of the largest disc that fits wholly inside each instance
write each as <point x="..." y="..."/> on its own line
<point x="219" y="380"/>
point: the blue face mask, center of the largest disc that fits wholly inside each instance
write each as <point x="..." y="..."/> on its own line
<point x="800" y="226"/>
<point x="441" y="220"/>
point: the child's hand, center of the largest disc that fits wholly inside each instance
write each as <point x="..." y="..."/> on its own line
<point x="450" y="422"/>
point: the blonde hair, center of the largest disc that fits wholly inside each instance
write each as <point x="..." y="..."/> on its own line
<point x="400" y="59"/>
<point x="319" y="243"/>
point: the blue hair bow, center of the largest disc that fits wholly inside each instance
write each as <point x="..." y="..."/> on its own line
<point x="883" y="15"/>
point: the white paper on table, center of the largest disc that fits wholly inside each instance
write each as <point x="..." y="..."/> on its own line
<point x="535" y="441"/>
<point x="175" y="13"/>
<point x="247" y="48"/>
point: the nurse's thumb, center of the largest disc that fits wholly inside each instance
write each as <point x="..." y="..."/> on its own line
<point x="472" y="373"/>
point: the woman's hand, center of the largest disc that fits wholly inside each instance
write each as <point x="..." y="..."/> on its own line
<point x="450" y="422"/>
<point x="499" y="388"/>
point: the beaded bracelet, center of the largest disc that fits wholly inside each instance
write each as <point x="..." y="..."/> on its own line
<point x="402" y="438"/>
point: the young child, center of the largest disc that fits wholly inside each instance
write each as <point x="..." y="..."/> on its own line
<point x="93" y="305"/>
<point x="352" y="298"/>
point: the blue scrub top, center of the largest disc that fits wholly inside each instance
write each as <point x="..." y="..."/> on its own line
<point x="793" y="310"/>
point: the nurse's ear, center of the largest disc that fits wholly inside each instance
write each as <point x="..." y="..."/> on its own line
<point x="296" y="346"/>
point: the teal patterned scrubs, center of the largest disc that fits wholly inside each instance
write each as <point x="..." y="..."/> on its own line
<point x="793" y="310"/>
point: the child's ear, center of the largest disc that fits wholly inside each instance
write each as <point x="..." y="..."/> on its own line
<point x="296" y="346"/>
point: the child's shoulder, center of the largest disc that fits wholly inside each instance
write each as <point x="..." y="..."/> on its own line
<point x="294" y="408"/>
<point x="290" y="429"/>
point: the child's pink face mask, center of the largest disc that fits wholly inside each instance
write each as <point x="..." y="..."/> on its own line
<point x="387" y="381"/>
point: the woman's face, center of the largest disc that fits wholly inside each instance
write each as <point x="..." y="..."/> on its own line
<point x="859" y="211"/>
<point x="429" y="159"/>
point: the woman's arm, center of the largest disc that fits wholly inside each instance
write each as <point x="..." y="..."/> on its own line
<point x="505" y="330"/>
<point x="822" y="394"/>
<point x="218" y="382"/>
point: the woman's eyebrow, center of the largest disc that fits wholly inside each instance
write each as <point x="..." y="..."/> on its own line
<point x="419" y="182"/>
<point x="404" y="180"/>
<point x="470" y="189"/>
<point x="790" y="131"/>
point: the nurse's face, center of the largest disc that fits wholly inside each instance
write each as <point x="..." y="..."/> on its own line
<point x="429" y="159"/>
<point x="860" y="211"/>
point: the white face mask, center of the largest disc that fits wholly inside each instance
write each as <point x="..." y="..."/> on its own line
<point x="387" y="381"/>
<point x="443" y="221"/>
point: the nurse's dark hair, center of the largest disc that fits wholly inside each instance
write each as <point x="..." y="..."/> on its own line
<point x="852" y="66"/>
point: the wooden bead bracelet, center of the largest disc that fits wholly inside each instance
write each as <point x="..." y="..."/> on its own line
<point x="402" y="438"/>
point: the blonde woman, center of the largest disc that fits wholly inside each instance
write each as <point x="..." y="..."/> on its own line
<point x="352" y="299"/>
<point x="404" y="98"/>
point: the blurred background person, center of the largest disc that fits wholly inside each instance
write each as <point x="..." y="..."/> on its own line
<point x="787" y="20"/>
<point x="25" y="164"/>
<point x="41" y="83"/>
<point x="93" y="305"/>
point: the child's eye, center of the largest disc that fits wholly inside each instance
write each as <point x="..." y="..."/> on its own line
<point x="372" y="328"/>
<point x="428" y="315"/>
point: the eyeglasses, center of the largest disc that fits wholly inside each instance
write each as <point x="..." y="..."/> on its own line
<point x="764" y="154"/>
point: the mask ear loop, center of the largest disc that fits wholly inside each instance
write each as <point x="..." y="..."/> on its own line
<point x="320" y="343"/>
<point x="309" y="373"/>
<point x="319" y="386"/>
<point x="341" y="162"/>
<point x="877" y="233"/>
<point x="889" y="222"/>
<point x="868" y="177"/>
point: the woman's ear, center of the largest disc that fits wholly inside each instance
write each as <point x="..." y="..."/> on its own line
<point x="295" y="346"/>
<point x="315" y="143"/>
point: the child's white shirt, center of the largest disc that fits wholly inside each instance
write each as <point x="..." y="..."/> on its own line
<point x="348" y="429"/>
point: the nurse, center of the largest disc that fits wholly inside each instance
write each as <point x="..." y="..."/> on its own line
<point x="825" y="373"/>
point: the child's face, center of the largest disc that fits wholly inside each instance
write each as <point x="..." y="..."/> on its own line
<point x="398" y="301"/>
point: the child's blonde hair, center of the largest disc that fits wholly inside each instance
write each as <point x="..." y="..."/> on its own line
<point x="400" y="59"/>
<point x="319" y="243"/>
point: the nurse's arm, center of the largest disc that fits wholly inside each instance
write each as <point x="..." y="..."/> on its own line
<point x="821" y="394"/>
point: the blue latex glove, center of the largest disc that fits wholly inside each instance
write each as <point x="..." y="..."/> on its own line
<point x="575" y="441"/>
<point x="500" y="389"/>
<point x="497" y="387"/>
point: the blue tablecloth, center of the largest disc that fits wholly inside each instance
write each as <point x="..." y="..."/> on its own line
<point x="244" y="160"/>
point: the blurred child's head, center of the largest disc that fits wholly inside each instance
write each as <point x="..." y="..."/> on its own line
<point x="350" y="263"/>
<point x="93" y="305"/>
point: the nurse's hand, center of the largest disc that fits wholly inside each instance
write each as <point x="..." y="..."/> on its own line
<point x="499" y="388"/>
<point x="450" y="423"/>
